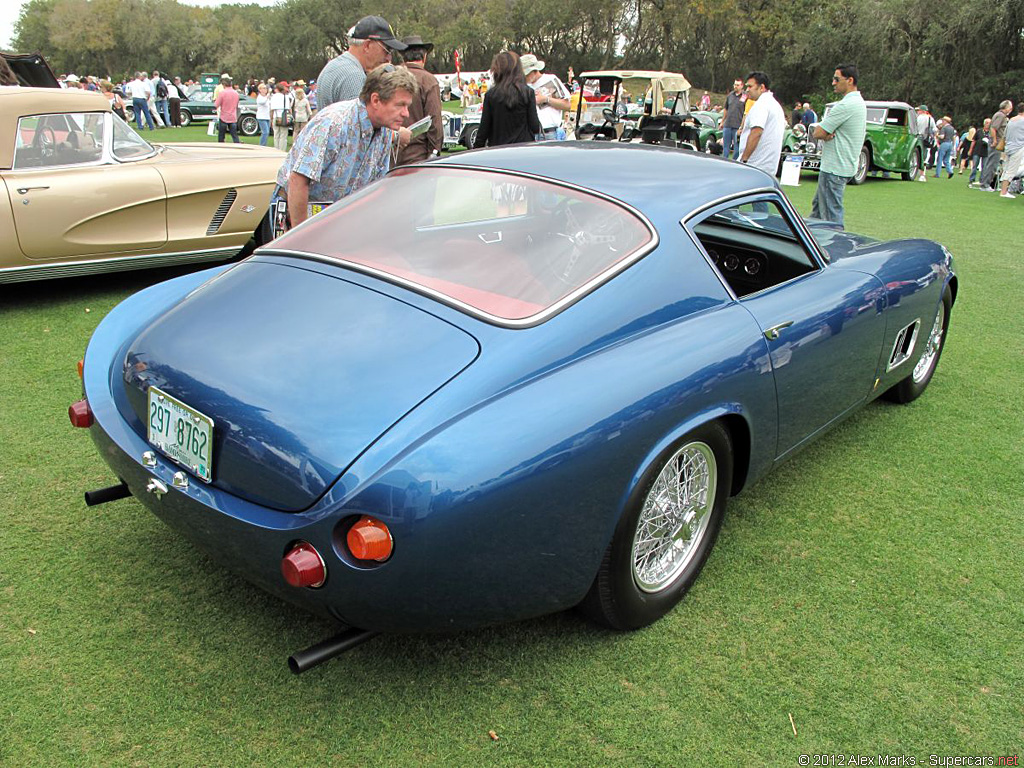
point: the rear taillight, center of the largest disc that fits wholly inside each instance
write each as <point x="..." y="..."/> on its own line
<point x="81" y="369"/>
<point x="369" y="539"/>
<point x="303" y="566"/>
<point x="80" y="413"/>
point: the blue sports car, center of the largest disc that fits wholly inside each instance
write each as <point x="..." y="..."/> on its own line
<point x="505" y="383"/>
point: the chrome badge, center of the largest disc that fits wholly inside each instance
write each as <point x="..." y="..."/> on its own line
<point x="248" y="208"/>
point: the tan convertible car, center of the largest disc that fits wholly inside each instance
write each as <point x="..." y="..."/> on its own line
<point x="83" y="193"/>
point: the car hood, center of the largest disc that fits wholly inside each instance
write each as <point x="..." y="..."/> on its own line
<point x="205" y="151"/>
<point x="299" y="370"/>
<point x="31" y="70"/>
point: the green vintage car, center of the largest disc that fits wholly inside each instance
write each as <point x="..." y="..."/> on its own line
<point x="199" y="107"/>
<point x="891" y="143"/>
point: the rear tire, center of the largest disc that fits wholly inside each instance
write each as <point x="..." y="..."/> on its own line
<point x="914" y="385"/>
<point x="666" y="533"/>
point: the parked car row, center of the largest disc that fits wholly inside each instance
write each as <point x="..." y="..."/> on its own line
<point x="199" y="108"/>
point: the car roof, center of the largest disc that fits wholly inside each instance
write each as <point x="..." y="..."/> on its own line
<point x="882" y="104"/>
<point x="658" y="181"/>
<point x="20" y="102"/>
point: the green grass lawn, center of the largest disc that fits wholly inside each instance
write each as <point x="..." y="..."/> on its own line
<point x="870" y="588"/>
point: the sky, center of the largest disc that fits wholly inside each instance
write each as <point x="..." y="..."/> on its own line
<point x="11" y="9"/>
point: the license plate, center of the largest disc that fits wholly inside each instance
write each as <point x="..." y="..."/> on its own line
<point x="181" y="432"/>
<point x="811" y="164"/>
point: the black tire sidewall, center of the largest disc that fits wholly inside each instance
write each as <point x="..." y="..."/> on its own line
<point x="626" y="606"/>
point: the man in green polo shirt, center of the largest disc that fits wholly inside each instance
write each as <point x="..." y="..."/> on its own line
<point x="842" y="130"/>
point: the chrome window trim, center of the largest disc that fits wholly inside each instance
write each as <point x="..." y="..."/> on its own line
<point x="753" y="195"/>
<point x="527" y="322"/>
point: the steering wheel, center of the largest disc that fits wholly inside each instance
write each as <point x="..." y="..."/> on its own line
<point x="610" y="118"/>
<point x="582" y="238"/>
<point x="47" y="145"/>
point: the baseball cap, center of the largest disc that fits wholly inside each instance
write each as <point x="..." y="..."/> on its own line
<point x="375" y="28"/>
<point x="530" y="63"/>
<point x="923" y="108"/>
<point x="72" y="78"/>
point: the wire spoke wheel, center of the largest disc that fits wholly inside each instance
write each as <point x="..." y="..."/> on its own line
<point x="674" y="518"/>
<point x="931" y="351"/>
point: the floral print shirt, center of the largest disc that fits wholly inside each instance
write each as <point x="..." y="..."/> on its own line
<point x="339" y="151"/>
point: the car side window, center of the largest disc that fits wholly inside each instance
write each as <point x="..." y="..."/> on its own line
<point x="896" y="117"/>
<point x="876" y="115"/>
<point x="71" y="138"/>
<point x="753" y="245"/>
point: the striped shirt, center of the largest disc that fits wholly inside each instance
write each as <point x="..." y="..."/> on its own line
<point x="341" y="79"/>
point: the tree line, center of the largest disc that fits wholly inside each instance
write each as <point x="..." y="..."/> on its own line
<point x="961" y="57"/>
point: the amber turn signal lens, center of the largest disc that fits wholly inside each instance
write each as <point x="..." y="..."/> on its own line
<point x="81" y="368"/>
<point x="80" y="414"/>
<point x="303" y="566"/>
<point x="369" y="539"/>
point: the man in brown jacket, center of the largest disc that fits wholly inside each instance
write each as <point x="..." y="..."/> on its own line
<point x="427" y="102"/>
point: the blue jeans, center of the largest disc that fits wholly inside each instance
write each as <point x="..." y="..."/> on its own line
<point x="730" y="143"/>
<point x="945" y="158"/>
<point x="141" y="107"/>
<point x="264" y="131"/>
<point x="231" y="128"/>
<point x="164" y="110"/>
<point x="977" y="163"/>
<point x="828" y="200"/>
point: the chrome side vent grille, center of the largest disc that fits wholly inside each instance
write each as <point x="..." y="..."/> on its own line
<point x="222" y="212"/>
<point x="904" y="346"/>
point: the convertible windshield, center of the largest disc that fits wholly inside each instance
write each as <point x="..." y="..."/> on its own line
<point x="128" y="145"/>
<point x="508" y="247"/>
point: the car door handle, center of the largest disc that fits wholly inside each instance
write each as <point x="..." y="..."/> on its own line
<point x="773" y="333"/>
<point x="24" y="190"/>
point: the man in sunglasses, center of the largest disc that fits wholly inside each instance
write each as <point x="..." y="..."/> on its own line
<point x="842" y="131"/>
<point x="370" y="43"/>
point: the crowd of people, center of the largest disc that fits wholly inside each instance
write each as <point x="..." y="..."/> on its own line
<point x="363" y="115"/>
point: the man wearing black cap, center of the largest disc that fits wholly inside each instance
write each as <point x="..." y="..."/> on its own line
<point x="370" y="43"/>
<point x="427" y="102"/>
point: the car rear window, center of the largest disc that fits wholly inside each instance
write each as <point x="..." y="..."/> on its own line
<point x="510" y="248"/>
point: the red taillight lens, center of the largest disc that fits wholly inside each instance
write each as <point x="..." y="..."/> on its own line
<point x="80" y="413"/>
<point x="81" y="368"/>
<point x="369" y="539"/>
<point x="303" y="566"/>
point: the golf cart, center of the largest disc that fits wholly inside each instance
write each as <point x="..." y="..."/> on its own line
<point x="662" y="116"/>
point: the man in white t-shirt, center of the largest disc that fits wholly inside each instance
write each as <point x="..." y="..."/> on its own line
<point x="763" y="127"/>
<point x="551" y="94"/>
<point x="139" y="90"/>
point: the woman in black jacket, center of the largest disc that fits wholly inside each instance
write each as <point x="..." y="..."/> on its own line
<point x="510" y="108"/>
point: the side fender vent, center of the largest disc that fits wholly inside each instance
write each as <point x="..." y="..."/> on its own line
<point x="222" y="212"/>
<point x="904" y="346"/>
